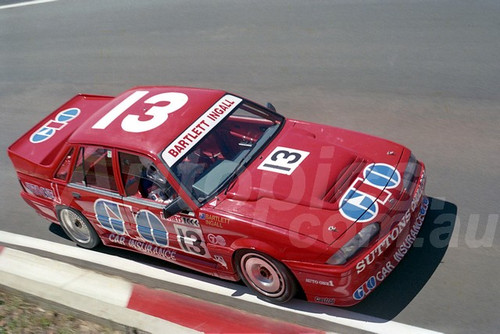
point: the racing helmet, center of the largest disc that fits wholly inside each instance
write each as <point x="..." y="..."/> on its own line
<point x="151" y="172"/>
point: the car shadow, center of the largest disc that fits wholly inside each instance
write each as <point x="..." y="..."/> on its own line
<point x="57" y="230"/>
<point x="411" y="274"/>
<point x="415" y="270"/>
<point x="386" y="301"/>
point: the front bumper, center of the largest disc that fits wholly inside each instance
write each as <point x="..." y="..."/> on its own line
<point x="349" y="284"/>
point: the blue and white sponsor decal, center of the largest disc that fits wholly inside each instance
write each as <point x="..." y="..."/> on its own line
<point x="365" y="289"/>
<point x="52" y="126"/>
<point x="361" y="201"/>
<point x="381" y="175"/>
<point x="151" y="228"/>
<point x="110" y="216"/>
<point x="152" y="231"/>
<point x="356" y="205"/>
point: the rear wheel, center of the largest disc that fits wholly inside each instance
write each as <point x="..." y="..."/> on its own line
<point x="266" y="276"/>
<point x="78" y="228"/>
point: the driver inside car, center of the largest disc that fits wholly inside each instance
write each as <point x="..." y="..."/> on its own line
<point x="153" y="185"/>
<point x="142" y="179"/>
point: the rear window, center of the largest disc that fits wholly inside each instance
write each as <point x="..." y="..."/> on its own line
<point x="94" y="168"/>
<point x="64" y="167"/>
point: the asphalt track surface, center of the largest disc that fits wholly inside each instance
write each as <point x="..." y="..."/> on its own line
<point x="422" y="73"/>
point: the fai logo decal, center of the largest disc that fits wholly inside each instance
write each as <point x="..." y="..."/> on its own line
<point x="360" y="202"/>
<point x="359" y="206"/>
<point x="49" y="129"/>
<point x="382" y="176"/>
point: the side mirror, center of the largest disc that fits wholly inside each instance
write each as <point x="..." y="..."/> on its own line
<point x="176" y="206"/>
<point x="270" y="106"/>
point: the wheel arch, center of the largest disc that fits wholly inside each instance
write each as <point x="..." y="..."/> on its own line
<point x="255" y="245"/>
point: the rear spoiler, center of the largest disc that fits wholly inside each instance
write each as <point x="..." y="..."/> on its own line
<point x="35" y="152"/>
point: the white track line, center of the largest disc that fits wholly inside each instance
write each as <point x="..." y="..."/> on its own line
<point x="66" y="276"/>
<point x="27" y="3"/>
<point x="80" y="289"/>
<point x="325" y="313"/>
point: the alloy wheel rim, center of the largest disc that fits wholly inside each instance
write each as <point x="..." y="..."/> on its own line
<point x="263" y="275"/>
<point x="75" y="226"/>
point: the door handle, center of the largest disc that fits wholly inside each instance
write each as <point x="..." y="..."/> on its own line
<point x="76" y="195"/>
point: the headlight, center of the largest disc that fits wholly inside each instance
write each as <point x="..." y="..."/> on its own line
<point x="409" y="172"/>
<point x="352" y="246"/>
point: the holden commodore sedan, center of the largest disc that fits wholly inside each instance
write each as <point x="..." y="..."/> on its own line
<point x="219" y="184"/>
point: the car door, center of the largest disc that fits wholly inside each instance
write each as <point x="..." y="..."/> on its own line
<point x="93" y="181"/>
<point x="147" y="192"/>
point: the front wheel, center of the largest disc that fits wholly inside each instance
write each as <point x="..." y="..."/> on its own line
<point x="78" y="228"/>
<point x="266" y="276"/>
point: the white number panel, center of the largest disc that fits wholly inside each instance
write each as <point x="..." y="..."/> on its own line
<point x="191" y="240"/>
<point x="132" y="123"/>
<point x="283" y="160"/>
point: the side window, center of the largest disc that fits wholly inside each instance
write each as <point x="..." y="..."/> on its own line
<point x="142" y="179"/>
<point x="94" y="168"/>
<point x="63" y="170"/>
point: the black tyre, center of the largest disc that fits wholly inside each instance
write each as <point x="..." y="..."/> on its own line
<point x="268" y="277"/>
<point x="78" y="228"/>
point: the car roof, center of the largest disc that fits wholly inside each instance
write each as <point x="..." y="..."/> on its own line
<point x="151" y="141"/>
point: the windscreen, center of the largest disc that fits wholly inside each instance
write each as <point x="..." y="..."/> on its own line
<point x="224" y="150"/>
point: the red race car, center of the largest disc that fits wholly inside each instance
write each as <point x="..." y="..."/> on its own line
<point x="217" y="183"/>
